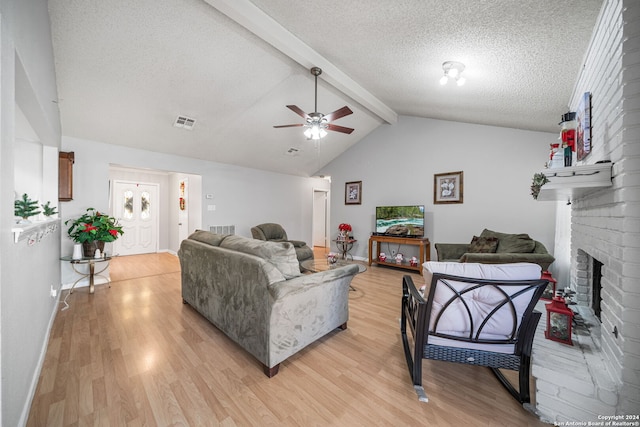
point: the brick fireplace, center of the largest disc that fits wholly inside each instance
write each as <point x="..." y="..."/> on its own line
<point x="600" y="374"/>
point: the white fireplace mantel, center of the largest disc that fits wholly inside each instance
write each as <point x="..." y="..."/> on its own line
<point x="573" y="182"/>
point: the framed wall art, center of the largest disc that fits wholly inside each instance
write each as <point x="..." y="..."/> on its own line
<point x="353" y="193"/>
<point x="448" y="187"/>
<point x="583" y="127"/>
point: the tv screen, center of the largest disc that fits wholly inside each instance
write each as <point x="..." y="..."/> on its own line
<point x="400" y="220"/>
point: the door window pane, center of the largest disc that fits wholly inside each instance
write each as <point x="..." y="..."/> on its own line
<point x="127" y="204"/>
<point x="145" y="213"/>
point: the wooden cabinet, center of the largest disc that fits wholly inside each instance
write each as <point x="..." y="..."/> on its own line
<point x="425" y="251"/>
<point x="65" y="176"/>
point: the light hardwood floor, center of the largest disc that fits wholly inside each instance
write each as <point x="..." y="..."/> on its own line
<point x="134" y="354"/>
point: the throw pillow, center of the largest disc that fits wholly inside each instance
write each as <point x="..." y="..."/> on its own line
<point x="484" y="245"/>
<point x="511" y="243"/>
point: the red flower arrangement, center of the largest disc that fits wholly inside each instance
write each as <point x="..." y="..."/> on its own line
<point x="345" y="227"/>
<point x="92" y="226"/>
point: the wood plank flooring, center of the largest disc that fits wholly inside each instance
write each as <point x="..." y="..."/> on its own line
<point x="134" y="355"/>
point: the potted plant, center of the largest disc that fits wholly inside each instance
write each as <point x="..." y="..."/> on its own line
<point x="48" y="210"/>
<point x="93" y="229"/>
<point x="25" y="207"/>
<point x="539" y="179"/>
<point x="344" y="230"/>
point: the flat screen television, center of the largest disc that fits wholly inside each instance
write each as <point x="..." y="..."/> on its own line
<point x="405" y="221"/>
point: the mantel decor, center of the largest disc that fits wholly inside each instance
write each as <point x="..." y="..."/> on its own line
<point x="583" y="130"/>
<point x="25" y="208"/>
<point x="448" y="187"/>
<point x="539" y="179"/>
<point x="93" y="229"/>
<point x="353" y="193"/>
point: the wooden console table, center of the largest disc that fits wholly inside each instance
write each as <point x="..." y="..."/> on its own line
<point x="424" y="244"/>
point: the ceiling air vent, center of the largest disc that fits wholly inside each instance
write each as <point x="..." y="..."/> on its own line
<point x="185" y="122"/>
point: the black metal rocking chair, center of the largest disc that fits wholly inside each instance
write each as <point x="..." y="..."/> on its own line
<point x="512" y="306"/>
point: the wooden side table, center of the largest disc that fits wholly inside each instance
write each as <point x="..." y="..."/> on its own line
<point x="422" y="243"/>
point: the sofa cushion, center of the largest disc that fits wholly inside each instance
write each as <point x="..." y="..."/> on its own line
<point x="511" y="243"/>
<point x="281" y="255"/>
<point x="207" y="237"/>
<point x="486" y="245"/>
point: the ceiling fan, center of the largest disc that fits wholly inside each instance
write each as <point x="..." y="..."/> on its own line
<point x="317" y="124"/>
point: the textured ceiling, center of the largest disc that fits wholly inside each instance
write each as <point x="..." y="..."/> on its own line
<point x="125" y="70"/>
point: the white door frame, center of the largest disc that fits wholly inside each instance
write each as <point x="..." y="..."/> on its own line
<point x="318" y="220"/>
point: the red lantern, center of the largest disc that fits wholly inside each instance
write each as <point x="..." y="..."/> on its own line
<point x="550" y="290"/>
<point x="559" y="321"/>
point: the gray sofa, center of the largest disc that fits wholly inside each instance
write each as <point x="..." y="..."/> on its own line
<point x="493" y="247"/>
<point x="253" y="291"/>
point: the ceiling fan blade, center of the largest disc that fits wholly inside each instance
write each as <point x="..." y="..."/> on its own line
<point x="344" y="111"/>
<point x="298" y="111"/>
<point x="289" y="126"/>
<point x="337" y="128"/>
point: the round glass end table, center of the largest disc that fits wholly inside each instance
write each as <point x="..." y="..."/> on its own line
<point x="92" y="273"/>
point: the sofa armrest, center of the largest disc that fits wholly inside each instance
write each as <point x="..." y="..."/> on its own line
<point x="305" y="308"/>
<point x="451" y="251"/>
<point x="297" y="243"/>
<point x="309" y="281"/>
<point x="543" y="260"/>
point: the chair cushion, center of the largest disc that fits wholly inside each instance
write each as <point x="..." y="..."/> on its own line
<point x="273" y="231"/>
<point x="281" y="255"/>
<point x="486" y="245"/>
<point x="455" y="320"/>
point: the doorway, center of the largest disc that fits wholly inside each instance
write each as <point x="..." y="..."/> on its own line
<point x="320" y="218"/>
<point x="136" y="206"/>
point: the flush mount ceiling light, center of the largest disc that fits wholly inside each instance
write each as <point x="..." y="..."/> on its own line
<point x="452" y="70"/>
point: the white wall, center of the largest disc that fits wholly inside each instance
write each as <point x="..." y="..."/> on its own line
<point x="27" y="79"/>
<point x="396" y="164"/>
<point x="242" y="197"/>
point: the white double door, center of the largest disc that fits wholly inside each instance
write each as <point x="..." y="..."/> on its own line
<point x="136" y="206"/>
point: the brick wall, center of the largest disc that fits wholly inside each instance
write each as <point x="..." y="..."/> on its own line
<point x="605" y="225"/>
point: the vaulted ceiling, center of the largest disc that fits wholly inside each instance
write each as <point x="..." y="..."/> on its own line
<point x="126" y="70"/>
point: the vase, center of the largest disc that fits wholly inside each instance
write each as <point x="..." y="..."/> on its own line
<point x="77" y="251"/>
<point x="90" y="248"/>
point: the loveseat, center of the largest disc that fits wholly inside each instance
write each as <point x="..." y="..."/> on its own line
<point x="493" y="247"/>
<point x="253" y="291"/>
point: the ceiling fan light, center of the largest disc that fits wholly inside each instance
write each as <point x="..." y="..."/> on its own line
<point x="443" y="80"/>
<point x="308" y="133"/>
<point x="453" y="72"/>
<point x="315" y="132"/>
<point x="461" y="81"/>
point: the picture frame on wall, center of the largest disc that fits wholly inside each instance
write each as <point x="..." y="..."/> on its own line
<point x="353" y="193"/>
<point x="448" y="187"/>
<point x="583" y="127"/>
